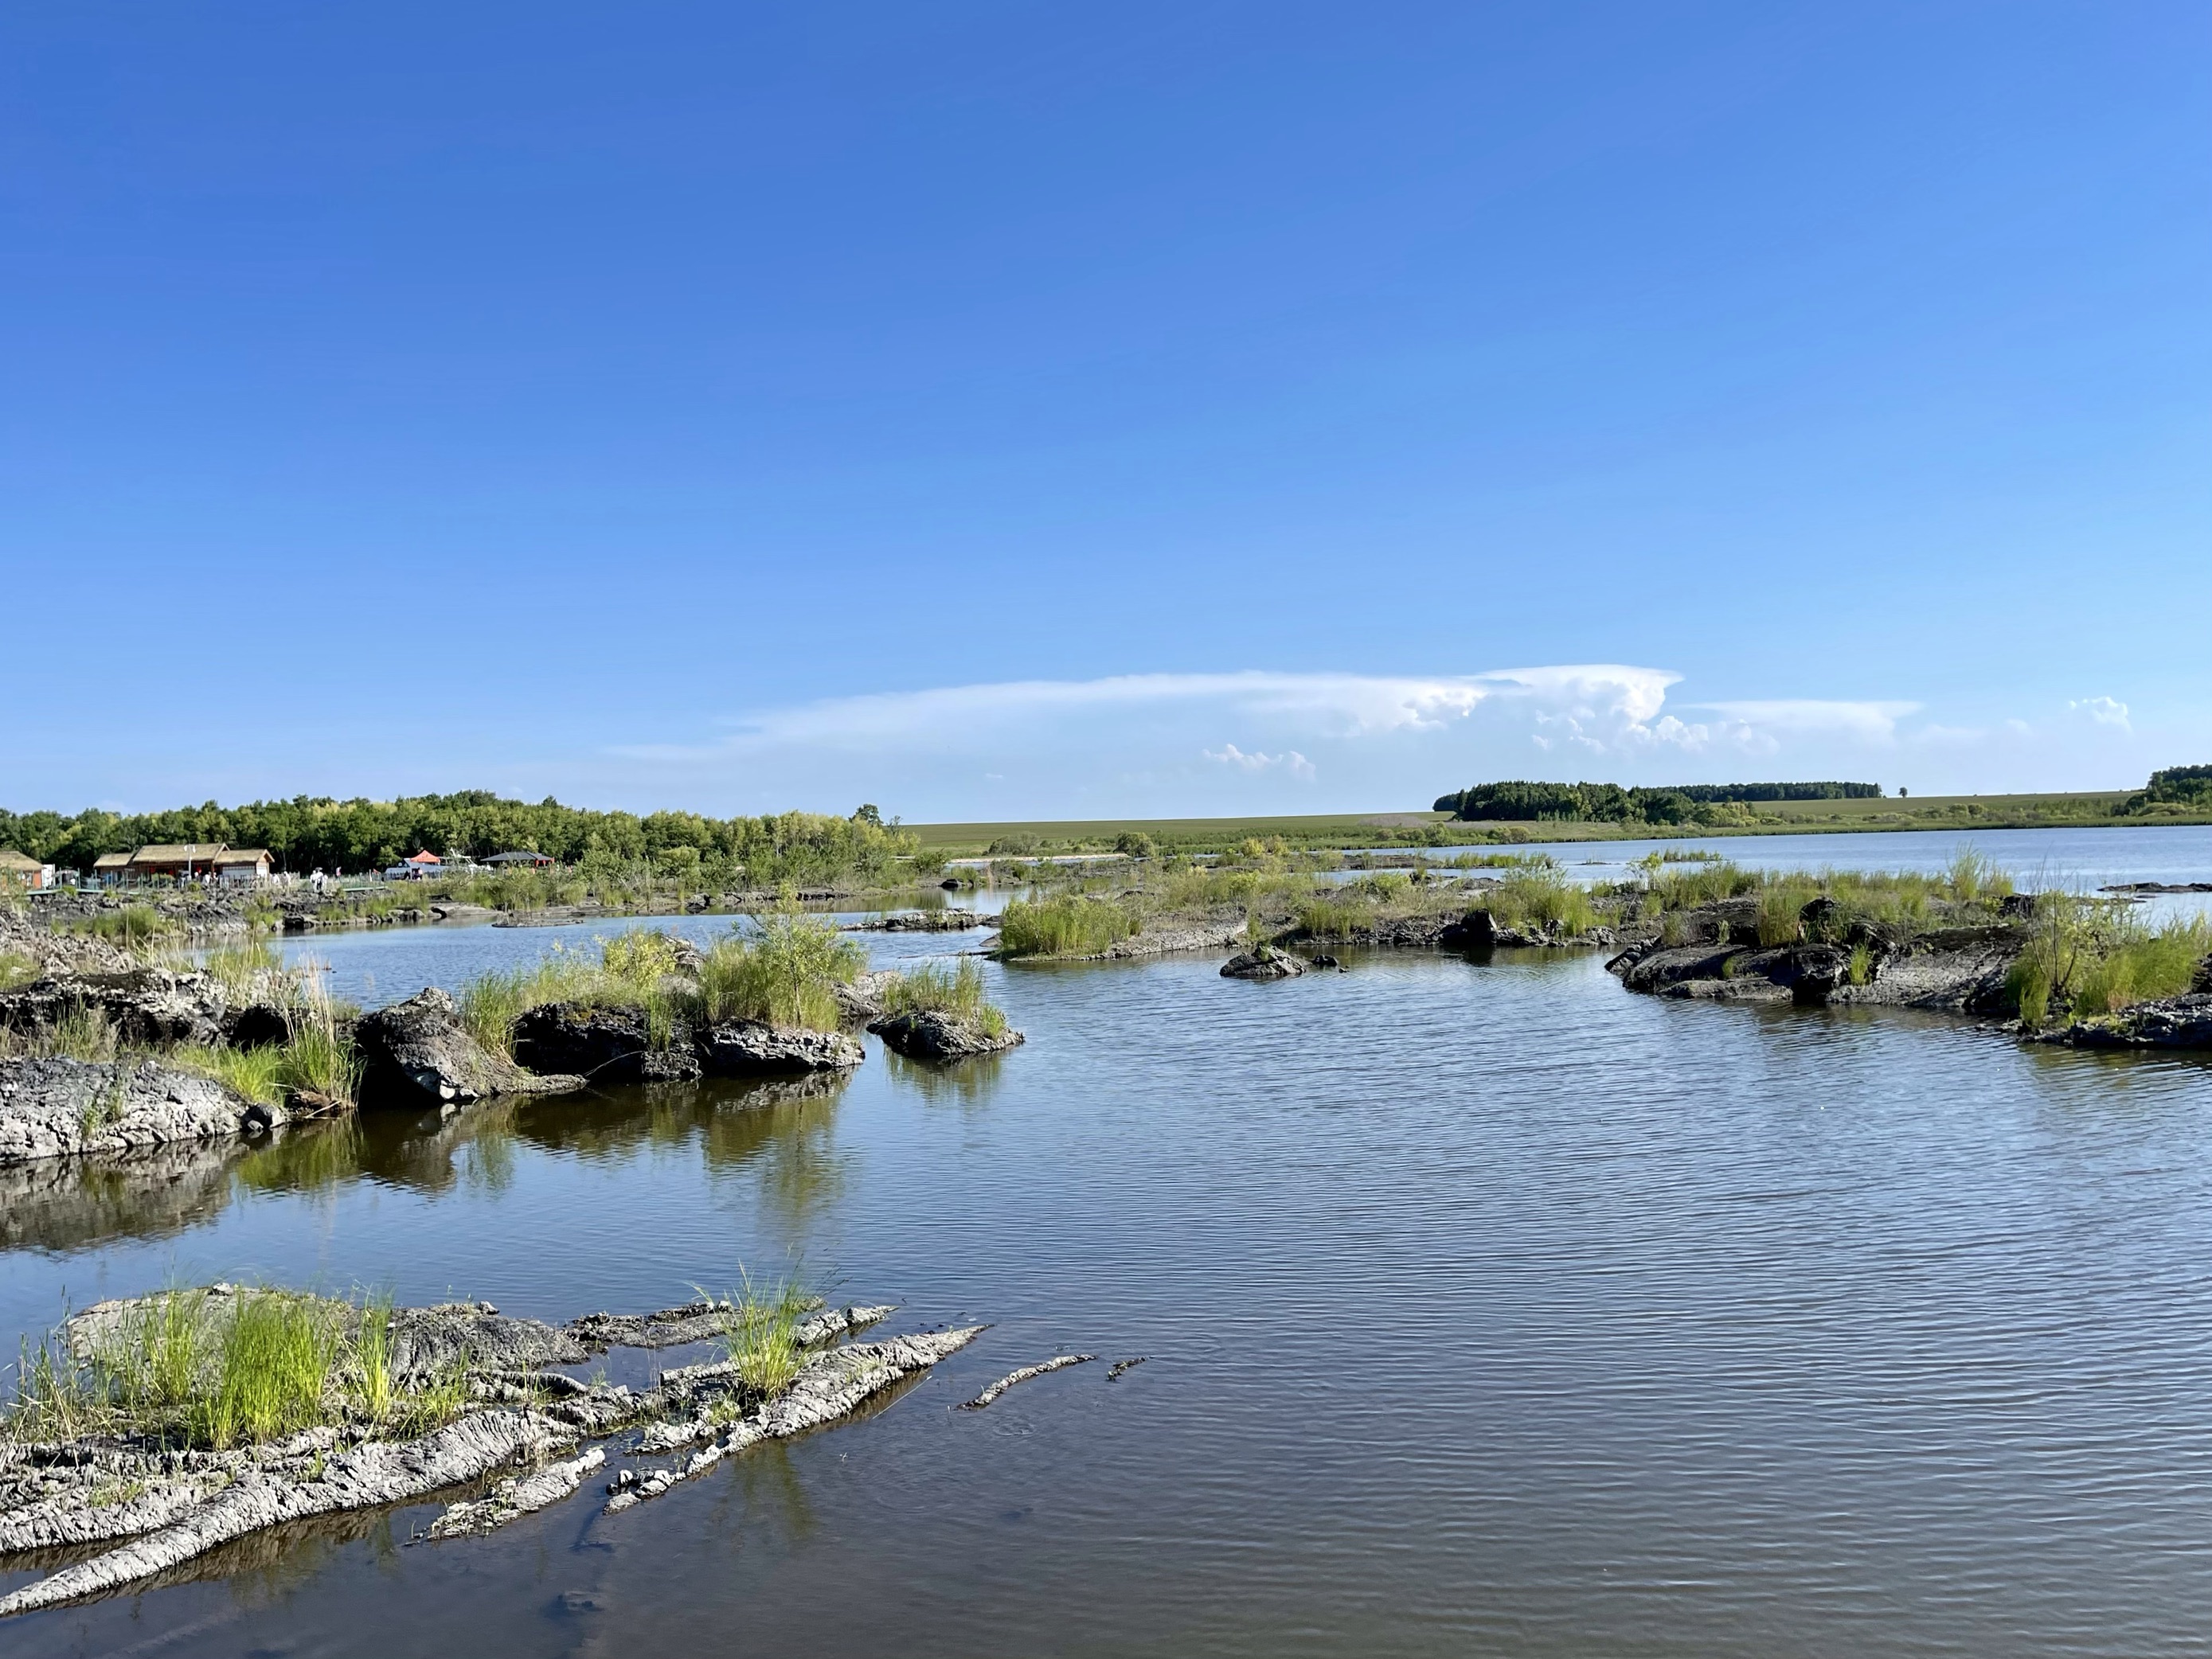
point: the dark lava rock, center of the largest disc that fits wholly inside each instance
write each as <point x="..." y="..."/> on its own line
<point x="59" y="1108"/>
<point x="148" y="1007"/>
<point x="1475" y="931"/>
<point x="257" y="1025"/>
<point x="602" y="1045"/>
<point x="419" y="1049"/>
<point x="746" y="1048"/>
<point x="939" y="1036"/>
<point x="2183" y="1021"/>
<point x="922" y="921"/>
<point x="1262" y="961"/>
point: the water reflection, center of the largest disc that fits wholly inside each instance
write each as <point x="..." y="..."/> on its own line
<point x="968" y="1083"/>
<point x="67" y="1203"/>
<point x="780" y="1131"/>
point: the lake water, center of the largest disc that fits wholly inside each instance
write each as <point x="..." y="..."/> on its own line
<point x="2071" y="859"/>
<point x="1489" y="1309"/>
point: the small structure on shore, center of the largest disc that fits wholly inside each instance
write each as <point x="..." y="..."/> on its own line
<point x="173" y="860"/>
<point x="23" y="870"/>
<point x="111" y="869"/>
<point x="521" y="859"/>
<point x="242" y="867"/>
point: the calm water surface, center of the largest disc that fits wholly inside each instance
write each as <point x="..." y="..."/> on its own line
<point x="1491" y="1310"/>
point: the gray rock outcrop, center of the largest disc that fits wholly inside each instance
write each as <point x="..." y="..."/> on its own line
<point x="747" y="1047"/>
<point x="148" y="1007"/>
<point x="64" y="1107"/>
<point x="420" y="1050"/>
<point x="1954" y="971"/>
<point x="1262" y="961"/>
<point x="921" y="921"/>
<point x="931" y="1035"/>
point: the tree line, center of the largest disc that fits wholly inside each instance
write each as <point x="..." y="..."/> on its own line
<point x="316" y="832"/>
<point x="1609" y="803"/>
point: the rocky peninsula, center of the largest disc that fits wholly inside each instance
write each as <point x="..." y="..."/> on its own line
<point x="129" y="1442"/>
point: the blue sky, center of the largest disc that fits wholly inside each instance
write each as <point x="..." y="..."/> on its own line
<point x="1017" y="410"/>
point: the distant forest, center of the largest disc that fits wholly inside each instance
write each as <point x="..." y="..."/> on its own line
<point x="1609" y="803"/>
<point x="309" y="833"/>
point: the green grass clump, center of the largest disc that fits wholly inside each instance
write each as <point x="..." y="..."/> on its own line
<point x="247" y="972"/>
<point x="2137" y="965"/>
<point x="784" y="972"/>
<point x="760" y="1331"/>
<point x="491" y="1003"/>
<point x="131" y="923"/>
<point x="217" y="1369"/>
<point x="83" y="1032"/>
<point x="1540" y="897"/>
<point x="17" y="970"/>
<point x="1072" y="925"/>
<point x="252" y="1073"/>
<point x="273" y="1369"/>
<point x="956" y="991"/>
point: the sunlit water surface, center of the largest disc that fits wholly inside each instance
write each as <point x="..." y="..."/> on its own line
<point x="1489" y="1309"/>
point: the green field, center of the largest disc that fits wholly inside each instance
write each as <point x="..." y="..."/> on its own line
<point x="1413" y="827"/>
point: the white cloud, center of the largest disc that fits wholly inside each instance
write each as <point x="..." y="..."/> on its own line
<point x="1874" y="722"/>
<point x="1230" y="755"/>
<point x="2105" y="711"/>
<point x="1136" y="743"/>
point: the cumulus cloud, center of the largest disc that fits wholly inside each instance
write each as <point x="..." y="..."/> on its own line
<point x="1230" y="755"/>
<point x="2105" y="711"/>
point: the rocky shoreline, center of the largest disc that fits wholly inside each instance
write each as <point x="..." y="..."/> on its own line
<point x="162" y="1504"/>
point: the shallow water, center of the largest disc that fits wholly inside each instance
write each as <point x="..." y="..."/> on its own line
<point x="1490" y="1309"/>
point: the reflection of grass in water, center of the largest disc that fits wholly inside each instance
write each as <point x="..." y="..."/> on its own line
<point x="307" y="1156"/>
<point x="970" y="1083"/>
<point x="788" y="1144"/>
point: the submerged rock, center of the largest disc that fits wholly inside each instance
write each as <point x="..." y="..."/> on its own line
<point x="929" y="1035"/>
<point x="1262" y="961"/>
<point x="747" y="1047"/>
<point x="604" y="1045"/>
<point x="420" y="1049"/>
<point x="62" y="1108"/>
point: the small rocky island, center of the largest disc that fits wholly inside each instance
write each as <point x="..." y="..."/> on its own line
<point x="105" y="1052"/>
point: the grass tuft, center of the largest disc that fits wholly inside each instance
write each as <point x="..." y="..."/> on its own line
<point x="1072" y="925"/>
<point x="957" y="992"/>
<point x="760" y="1330"/>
